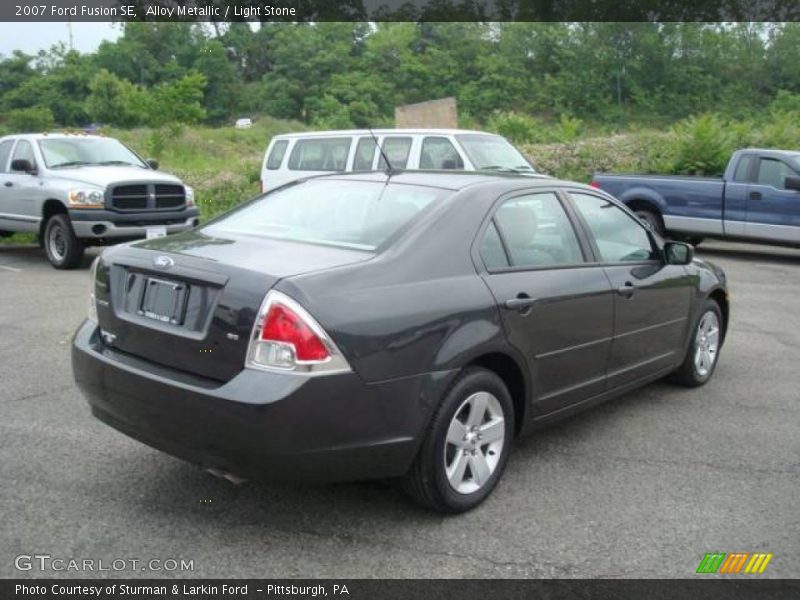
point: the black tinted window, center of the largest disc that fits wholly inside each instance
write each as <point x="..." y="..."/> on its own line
<point x="439" y="153"/>
<point x="5" y="153"/>
<point x="323" y="154"/>
<point x="537" y="231"/>
<point x="396" y="150"/>
<point x="365" y="152"/>
<point x="743" y="168"/>
<point x="618" y="235"/>
<point x="24" y="151"/>
<point x="276" y="154"/>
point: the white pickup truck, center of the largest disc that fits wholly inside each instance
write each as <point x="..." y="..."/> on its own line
<point x="74" y="191"/>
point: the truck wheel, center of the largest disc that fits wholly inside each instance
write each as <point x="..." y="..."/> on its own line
<point x="653" y="219"/>
<point x="64" y="250"/>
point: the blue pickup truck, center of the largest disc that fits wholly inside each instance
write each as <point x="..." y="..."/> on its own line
<point x="757" y="200"/>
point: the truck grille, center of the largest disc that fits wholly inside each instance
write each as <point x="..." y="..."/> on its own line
<point x="147" y="196"/>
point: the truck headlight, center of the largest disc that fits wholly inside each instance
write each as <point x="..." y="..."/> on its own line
<point x="189" y="196"/>
<point x="86" y="198"/>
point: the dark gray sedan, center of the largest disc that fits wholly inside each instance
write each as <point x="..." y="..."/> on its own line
<point x="362" y="326"/>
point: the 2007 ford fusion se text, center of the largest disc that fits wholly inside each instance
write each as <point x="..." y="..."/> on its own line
<point x="391" y="325"/>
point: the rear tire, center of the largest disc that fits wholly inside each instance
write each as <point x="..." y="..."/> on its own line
<point x="703" y="352"/>
<point x="653" y="219"/>
<point x="64" y="250"/>
<point x="466" y="445"/>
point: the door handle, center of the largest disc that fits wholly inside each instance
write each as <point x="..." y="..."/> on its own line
<point x="626" y="290"/>
<point x="9" y="184"/>
<point x="521" y="302"/>
<point x="755" y="195"/>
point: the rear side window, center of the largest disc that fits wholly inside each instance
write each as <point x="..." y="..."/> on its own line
<point x="351" y="214"/>
<point x="365" y="152"/>
<point x="5" y="153"/>
<point x="619" y="237"/>
<point x="24" y="151"/>
<point x="492" y="251"/>
<point x="276" y="155"/>
<point x="322" y="154"/>
<point x="537" y="232"/>
<point x="439" y="153"/>
<point x="743" y="168"/>
<point x="773" y="172"/>
<point x="396" y="150"/>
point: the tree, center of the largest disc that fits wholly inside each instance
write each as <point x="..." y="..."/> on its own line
<point x="115" y="101"/>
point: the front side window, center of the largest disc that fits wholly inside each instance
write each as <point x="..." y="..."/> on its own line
<point x="5" y="154"/>
<point x="322" y="154"/>
<point x="276" y="154"/>
<point x="773" y="172"/>
<point x="365" y="153"/>
<point x="396" y="150"/>
<point x="78" y="151"/>
<point x="24" y="151"/>
<point x="618" y="236"/>
<point x="537" y="232"/>
<point x="439" y="153"/>
<point x="492" y="152"/>
<point x="351" y="214"/>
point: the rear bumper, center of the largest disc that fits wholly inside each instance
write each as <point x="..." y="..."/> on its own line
<point x="259" y="425"/>
<point x="106" y="224"/>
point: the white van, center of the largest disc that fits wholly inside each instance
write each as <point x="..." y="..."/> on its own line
<point x="296" y="155"/>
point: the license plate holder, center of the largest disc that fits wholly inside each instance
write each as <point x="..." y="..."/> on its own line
<point x="164" y="300"/>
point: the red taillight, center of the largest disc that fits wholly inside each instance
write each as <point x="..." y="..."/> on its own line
<point x="283" y="325"/>
<point x="594" y="184"/>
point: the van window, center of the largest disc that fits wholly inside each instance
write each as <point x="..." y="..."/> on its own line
<point x="5" y="152"/>
<point x="396" y="150"/>
<point x="276" y="155"/>
<point x="365" y="152"/>
<point x="439" y="153"/>
<point x="321" y="154"/>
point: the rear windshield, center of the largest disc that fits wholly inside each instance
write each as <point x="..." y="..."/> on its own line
<point x="492" y="152"/>
<point x="352" y="214"/>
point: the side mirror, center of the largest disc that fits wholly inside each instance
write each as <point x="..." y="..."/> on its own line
<point x="152" y="163"/>
<point x="792" y="183"/>
<point x="22" y="165"/>
<point x="678" y="253"/>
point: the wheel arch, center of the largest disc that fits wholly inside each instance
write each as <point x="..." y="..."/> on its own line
<point x="49" y="208"/>
<point x="721" y="298"/>
<point x="512" y="374"/>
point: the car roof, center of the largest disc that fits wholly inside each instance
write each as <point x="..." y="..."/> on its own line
<point x="360" y="132"/>
<point x="457" y="180"/>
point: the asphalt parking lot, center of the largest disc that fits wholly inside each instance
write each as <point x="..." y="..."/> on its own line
<point x="640" y="487"/>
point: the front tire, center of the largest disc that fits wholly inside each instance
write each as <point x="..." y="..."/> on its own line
<point x="64" y="250"/>
<point x="466" y="445"/>
<point x="703" y="353"/>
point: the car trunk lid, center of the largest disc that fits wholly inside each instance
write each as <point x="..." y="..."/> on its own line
<point x="169" y="302"/>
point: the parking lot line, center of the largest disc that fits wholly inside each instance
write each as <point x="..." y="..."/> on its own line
<point x="12" y="269"/>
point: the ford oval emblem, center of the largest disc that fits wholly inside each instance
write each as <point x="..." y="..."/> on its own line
<point x="163" y="262"/>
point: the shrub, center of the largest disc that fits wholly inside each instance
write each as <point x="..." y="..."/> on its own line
<point x="30" y="120"/>
<point x="518" y="128"/>
<point x="703" y="145"/>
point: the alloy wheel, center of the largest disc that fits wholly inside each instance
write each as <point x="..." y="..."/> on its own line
<point x="706" y="343"/>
